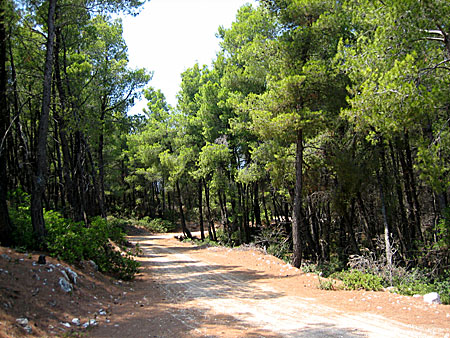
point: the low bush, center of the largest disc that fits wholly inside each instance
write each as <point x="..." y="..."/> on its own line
<point x="73" y="242"/>
<point x="275" y="241"/>
<point x="21" y="217"/>
<point x="357" y="280"/>
<point x="101" y="241"/>
<point x="157" y="225"/>
<point x="327" y="284"/>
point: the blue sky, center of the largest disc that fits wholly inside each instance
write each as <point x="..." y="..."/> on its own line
<point x="169" y="36"/>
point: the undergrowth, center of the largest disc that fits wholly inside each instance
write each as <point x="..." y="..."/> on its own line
<point x="100" y="241"/>
<point x="155" y="225"/>
<point x="367" y="272"/>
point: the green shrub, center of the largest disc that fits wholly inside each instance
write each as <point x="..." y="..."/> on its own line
<point x="21" y="218"/>
<point x="280" y="250"/>
<point x="157" y="225"/>
<point x="443" y="288"/>
<point x="327" y="284"/>
<point x="275" y="241"/>
<point x="120" y="223"/>
<point x="424" y="286"/>
<point x="357" y="280"/>
<point x="310" y="268"/>
<point x="414" y="288"/>
<point x="222" y="236"/>
<point x="66" y="239"/>
<point x="73" y="242"/>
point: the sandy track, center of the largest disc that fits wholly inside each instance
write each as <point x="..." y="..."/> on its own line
<point x="184" y="292"/>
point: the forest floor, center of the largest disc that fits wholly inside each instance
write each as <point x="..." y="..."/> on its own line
<point x="185" y="290"/>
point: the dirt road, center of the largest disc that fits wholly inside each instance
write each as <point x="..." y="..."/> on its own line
<point x="186" y="291"/>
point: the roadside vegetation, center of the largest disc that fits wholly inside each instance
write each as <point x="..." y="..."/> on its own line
<point x="320" y="133"/>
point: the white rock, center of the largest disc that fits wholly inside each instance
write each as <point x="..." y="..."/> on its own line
<point x="102" y="312"/>
<point x="64" y="273"/>
<point x="91" y="322"/>
<point x="65" y="285"/>
<point x="28" y="329"/>
<point x="76" y="321"/>
<point x="72" y="275"/>
<point x="22" y="321"/>
<point x="94" y="266"/>
<point x="432" y="298"/>
<point x="65" y="324"/>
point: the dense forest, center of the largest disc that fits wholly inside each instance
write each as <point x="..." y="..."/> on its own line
<point x="320" y="131"/>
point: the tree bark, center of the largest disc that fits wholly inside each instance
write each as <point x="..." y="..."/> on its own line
<point x="211" y="229"/>
<point x="386" y="226"/>
<point x="40" y="177"/>
<point x="66" y="158"/>
<point x="266" y="214"/>
<point x="297" y="208"/>
<point x="200" y="209"/>
<point x="256" y="207"/>
<point x="101" y="162"/>
<point x="186" y="231"/>
<point x="6" y="226"/>
<point x="403" y="228"/>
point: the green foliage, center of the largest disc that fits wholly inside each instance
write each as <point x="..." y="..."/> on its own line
<point x="357" y="280"/>
<point x="229" y="239"/>
<point x="73" y="242"/>
<point x="417" y="282"/>
<point x="275" y="241"/>
<point x="65" y="238"/>
<point x="414" y="288"/>
<point x="157" y="225"/>
<point x="442" y="286"/>
<point x="443" y="231"/>
<point x="334" y="266"/>
<point x="207" y="242"/>
<point x="327" y="284"/>
<point x="21" y="218"/>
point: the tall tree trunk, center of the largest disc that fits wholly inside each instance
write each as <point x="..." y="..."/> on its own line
<point x="414" y="193"/>
<point x="256" y="207"/>
<point x="6" y="226"/>
<point x="243" y="210"/>
<point x="200" y="209"/>
<point x="297" y="208"/>
<point x="224" y="214"/>
<point x="387" y="240"/>
<point x="163" y="195"/>
<point x="211" y="228"/>
<point x="78" y="180"/>
<point x="25" y="177"/>
<point x="266" y="214"/>
<point x="403" y="228"/>
<point x="186" y="231"/>
<point x="246" y="214"/>
<point x="40" y="178"/>
<point x="66" y="158"/>
<point x="101" y="162"/>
